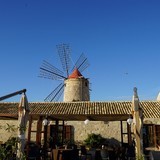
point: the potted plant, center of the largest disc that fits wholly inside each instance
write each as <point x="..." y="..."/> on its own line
<point x="94" y="140"/>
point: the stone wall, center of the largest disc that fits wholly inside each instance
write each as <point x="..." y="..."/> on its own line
<point x="107" y="130"/>
<point x="8" y="128"/>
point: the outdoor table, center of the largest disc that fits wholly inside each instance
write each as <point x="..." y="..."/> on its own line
<point x="60" y="151"/>
<point x="98" y="154"/>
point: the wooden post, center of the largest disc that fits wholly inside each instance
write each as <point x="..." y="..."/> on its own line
<point x="45" y="147"/>
<point x="138" y="125"/>
<point x="129" y="134"/>
<point x="121" y="132"/>
<point x="45" y="142"/>
<point x="56" y="132"/>
<point x="39" y="131"/>
<point x="154" y="136"/>
<point x="29" y="129"/>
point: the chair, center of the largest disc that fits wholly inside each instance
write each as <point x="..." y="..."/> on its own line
<point x="64" y="154"/>
<point x="104" y="154"/>
<point x="131" y="158"/>
<point x="74" y="153"/>
<point x="34" y="152"/>
<point x="60" y="154"/>
<point x="131" y="153"/>
<point x="84" y="155"/>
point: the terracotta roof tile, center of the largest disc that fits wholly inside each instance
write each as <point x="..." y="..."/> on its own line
<point x="81" y="110"/>
<point x="75" y="74"/>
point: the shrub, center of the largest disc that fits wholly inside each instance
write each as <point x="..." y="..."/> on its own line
<point x="94" y="140"/>
<point x="8" y="150"/>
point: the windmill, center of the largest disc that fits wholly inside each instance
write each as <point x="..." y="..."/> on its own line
<point x="74" y="86"/>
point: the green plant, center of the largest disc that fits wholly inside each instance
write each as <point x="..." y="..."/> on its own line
<point x="94" y="140"/>
<point x="10" y="128"/>
<point x="9" y="149"/>
<point x="140" y="157"/>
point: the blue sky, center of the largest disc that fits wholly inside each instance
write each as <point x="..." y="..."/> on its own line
<point x="117" y="37"/>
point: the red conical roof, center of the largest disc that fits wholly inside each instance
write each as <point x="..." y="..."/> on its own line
<point x="75" y="74"/>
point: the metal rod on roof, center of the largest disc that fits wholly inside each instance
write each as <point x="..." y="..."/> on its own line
<point x="12" y="94"/>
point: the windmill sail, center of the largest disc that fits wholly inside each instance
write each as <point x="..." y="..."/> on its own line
<point x="49" y="71"/>
<point x="65" y="57"/>
<point x="81" y="64"/>
<point x="55" y="94"/>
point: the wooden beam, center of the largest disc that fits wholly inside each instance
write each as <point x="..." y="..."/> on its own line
<point x="129" y="134"/>
<point x="154" y="135"/>
<point x="29" y="129"/>
<point x="39" y="131"/>
<point x="121" y="123"/>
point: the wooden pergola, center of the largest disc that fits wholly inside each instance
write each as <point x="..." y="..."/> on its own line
<point x="79" y="111"/>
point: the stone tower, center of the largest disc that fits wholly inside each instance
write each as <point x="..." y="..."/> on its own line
<point x="76" y="88"/>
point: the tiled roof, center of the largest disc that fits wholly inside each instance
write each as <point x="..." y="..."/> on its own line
<point x="75" y="74"/>
<point x="105" y="111"/>
<point x="151" y="109"/>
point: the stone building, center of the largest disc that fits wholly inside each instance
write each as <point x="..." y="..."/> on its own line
<point x="67" y="118"/>
<point x="105" y="118"/>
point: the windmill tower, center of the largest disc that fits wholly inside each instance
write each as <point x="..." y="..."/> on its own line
<point x="74" y="86"/>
